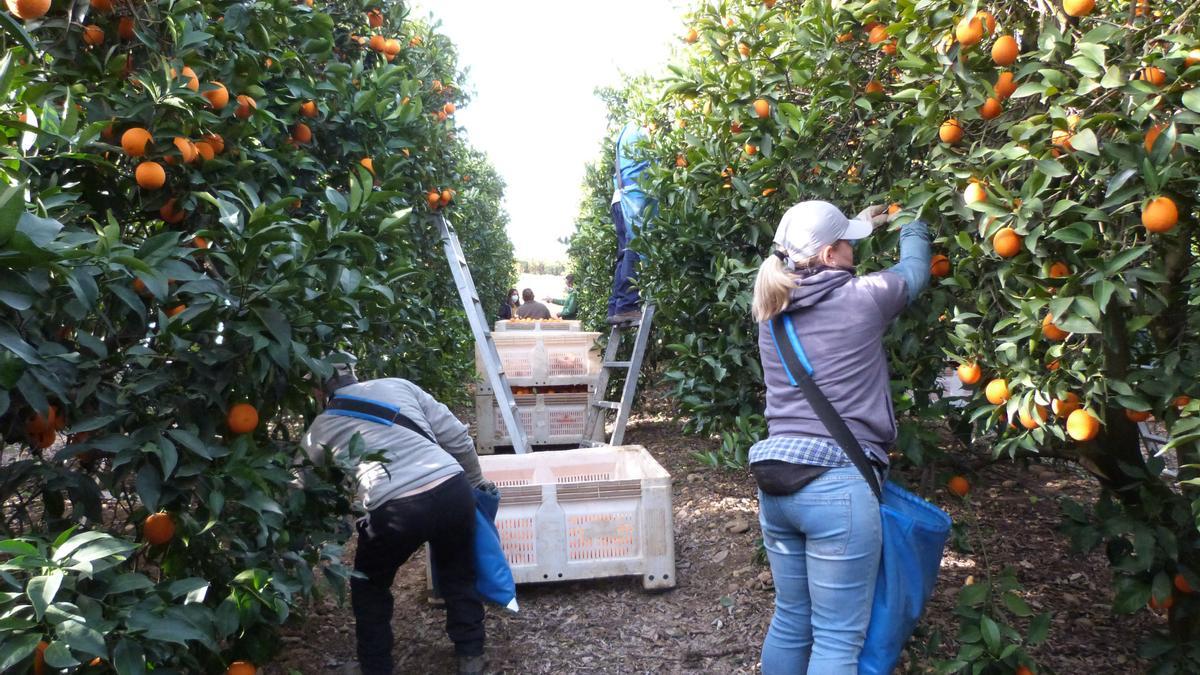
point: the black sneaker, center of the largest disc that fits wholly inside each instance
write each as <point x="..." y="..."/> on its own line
<point x="625" y="317"/>
<point x="471" y="665"/>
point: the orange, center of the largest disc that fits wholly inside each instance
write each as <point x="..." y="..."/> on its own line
<point x="39" y="657"/>
<point x="1063" y="407"/>
<point x="375" y="18"/>
<point x="893" y="208"/>
<point x="170" y="214"/>
<point x="241" y="668"/>
<point x="193" y="81"/>
<point x="1162" y="606"/>
<point x="873" y="87"/>
<point x="750" y="148"/>
<point x="200" y="242"/>
<point x="769" y="4"/>
<point x="974" y="193"/>
<point x="102" y="5"/>
<point x="1153" y="134"/>
<point x="969" y="373"/>
<point x="996" y="391"/>
<point x="447" y="197"/>
<point x="1181" y="584"/>
<point x="692" y="36"/>
<point x="150" y="175"/>
<point x="990" y="109"/>
<point x="134" y="141"/>
<point x="28" y="9"/>
<point x="1051" y="331"/>
<point x="246" y="107"/>
<point x="1061" y="138"/>
<point x="951" y="131"/>
<point x="434" y="198"/>
<point x="1154" y="75"/>
<point x="845" y="37"/>
<point x="93" y="35"/>
<point x="681" y="161"/>
<point x="176" y="310"/>
<point x="205" y="150"/>
<point x="1192" y="58"/>
<point x="1181" y="401"/>
<point x="139" y="287"/>
<point x="767" y="192"/>
<point x="735" y="127"/>
<point x="1006" y="242"/>
<point x="391" y="47"/>
<point x="1160" y="215"/>
<point x="988" y="21"/>
<point x="215" y="141"/>
<point x="878" y="34"/>
<point x="368" y="163"/>
<point x="449" y="109"/>
<point x="762" y="108"/>
<point x="1004" y="85"/>
<point x="186" y="148"/>
<point x="1082" y="425"/>
<point x="308" y="109"/>
<point x="242" y="418"/>
<point x="888" y="48"/>
<point x="969" y="30"/>
<point x="1023" y="670"/>
<point x="1137" y="415"/>
<point x="958" y="486"/>
<point x="301" y="133"/>
<point x="125" y="27"/>
<point x="378" y="42"/>
<point x="1005" y="51"/>
<point x="1058" y="270"/>
<point x="1078" y="7"/>
<point x="1029" y="421"/>
<point x="218" y="97"/>
<point x="158" y="528"/>
<point x="939" y="266"/>
<point x="743" y="49"/>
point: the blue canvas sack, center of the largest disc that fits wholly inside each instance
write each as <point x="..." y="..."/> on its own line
<point x="914" y="531"/>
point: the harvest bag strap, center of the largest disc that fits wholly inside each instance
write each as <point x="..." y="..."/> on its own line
<point x="799" y="372"/>
<point x="374" y="411"/>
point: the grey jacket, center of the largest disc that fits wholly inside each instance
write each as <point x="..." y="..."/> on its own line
<point x="412" y="461"/>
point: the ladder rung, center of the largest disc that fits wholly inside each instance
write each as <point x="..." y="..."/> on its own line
<point x="611" y="405"/>
<point x="617" y="364"/>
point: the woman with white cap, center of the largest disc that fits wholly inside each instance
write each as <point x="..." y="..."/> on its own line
<point x="819" y="516"/>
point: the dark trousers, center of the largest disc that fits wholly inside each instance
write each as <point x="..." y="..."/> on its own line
<point x="444" y="517"/>
<point x="625" y="297"/>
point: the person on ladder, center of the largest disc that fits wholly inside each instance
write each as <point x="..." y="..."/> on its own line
<point x="423" y="493"/>
<point x="631" y="206"/>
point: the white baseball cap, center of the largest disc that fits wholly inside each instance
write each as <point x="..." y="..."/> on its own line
<point x="810" y="226"/>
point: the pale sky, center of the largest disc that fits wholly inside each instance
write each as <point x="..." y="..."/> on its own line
<point x="532" y="67"/>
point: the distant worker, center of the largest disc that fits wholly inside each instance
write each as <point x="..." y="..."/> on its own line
<point x="570" y="305"/>
<point x="530" y="308"/>
<point x="423" y="492"/>
<point x="510" y="304"/>
<point x="631" y="206"/>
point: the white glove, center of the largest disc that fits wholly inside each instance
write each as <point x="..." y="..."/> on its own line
<point x="877" y="215"/>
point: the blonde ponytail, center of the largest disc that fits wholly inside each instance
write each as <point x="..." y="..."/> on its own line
<point x="772" y="288"/>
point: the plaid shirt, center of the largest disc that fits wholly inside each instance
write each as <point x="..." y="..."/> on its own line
<point x="808" y="450"/>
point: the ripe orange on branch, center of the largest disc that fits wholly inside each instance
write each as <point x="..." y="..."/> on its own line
<point x="28" y="9"/>
<point x="1137" y="415"/>
<point x="1082" y="425"/>
<point x="762" y="108"/>
<point x="1160" y="214"/>
<point x="242" y="418"/>
<point x="158" y="529"/>
<point x="974" y="193"/>
<point x="308" y="109"/>
<point x="93" y="35"/>
<point x="1051" y="331"/>
<point x="996" y="391"/>
<point x="990" y="109"/>
<point x="246" y="107"/>
<point x="1005" y="86"/>
<point x="1006" y="242"/>
<point x="1005" y="50"/>
<point x="1029" y="421"/>
<point x="958" y="486"/>
<point x="950" y="132"/>
<point x="969" y="373"/>
<point x="241" y="668"/>
<point x="939" y="266"/>
<point x="218" y="96"/>
<point x="1154" y="75"/>
<point x="301" y="133"/>
<point x="1063" y="407"/>
<point x="1078" y="8"/>
<point x="134" y="141"/>
<point x="150" y="175"/>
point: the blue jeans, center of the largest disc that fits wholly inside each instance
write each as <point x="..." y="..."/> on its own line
<point x="823" y="543"/>
<point x="625" y="297"/>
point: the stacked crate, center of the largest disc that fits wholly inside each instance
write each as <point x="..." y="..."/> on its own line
<point x="552" y="368"/>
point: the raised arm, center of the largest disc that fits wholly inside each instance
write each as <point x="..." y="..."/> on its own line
<point x="914" y="257"/>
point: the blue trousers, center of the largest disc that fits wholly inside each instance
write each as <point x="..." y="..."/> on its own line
<point x="625" y="297"/>
<point x="823" y="543"/>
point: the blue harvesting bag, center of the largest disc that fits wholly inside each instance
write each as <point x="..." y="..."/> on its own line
<point x="493" y="578"/>
<point x="914" y="535"/>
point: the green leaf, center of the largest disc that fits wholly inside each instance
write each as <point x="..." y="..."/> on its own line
<point x="16" y="649"/>
<point x="41" y="591"/>
<point x="1085" y="141"/>
<point x="82" y="638"/>
<point x="1191" y="99"/>
<point x="9" y="23"/>
<point x="128" y="658"/>
<point x="990" y="632"/>
<point x="1017" y="605"/>
<point x="1039" y="628"/>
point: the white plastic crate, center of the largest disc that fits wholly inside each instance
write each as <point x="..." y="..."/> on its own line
<point x="504" y="325"/>
<point x="545" y="358"/>
<point x="548" y="419"/>
<point x="589" y="513"/>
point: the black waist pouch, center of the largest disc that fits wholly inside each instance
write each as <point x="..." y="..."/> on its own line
<point x="778" y="478"/>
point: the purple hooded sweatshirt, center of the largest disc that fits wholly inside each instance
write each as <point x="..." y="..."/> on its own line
<point x="840" y="320"/>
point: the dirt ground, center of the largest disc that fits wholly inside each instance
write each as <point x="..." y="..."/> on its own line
<point x="714" y="621"/>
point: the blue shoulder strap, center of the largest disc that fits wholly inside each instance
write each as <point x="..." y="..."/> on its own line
<point x="374" y="411"/>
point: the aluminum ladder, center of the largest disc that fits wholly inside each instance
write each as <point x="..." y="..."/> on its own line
<point x="598" y="411"/>
<point x="483" y="335"/>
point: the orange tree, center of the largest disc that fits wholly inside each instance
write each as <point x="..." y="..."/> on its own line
<point x="1052" y="149"/>
<point x="198" y="202"/>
